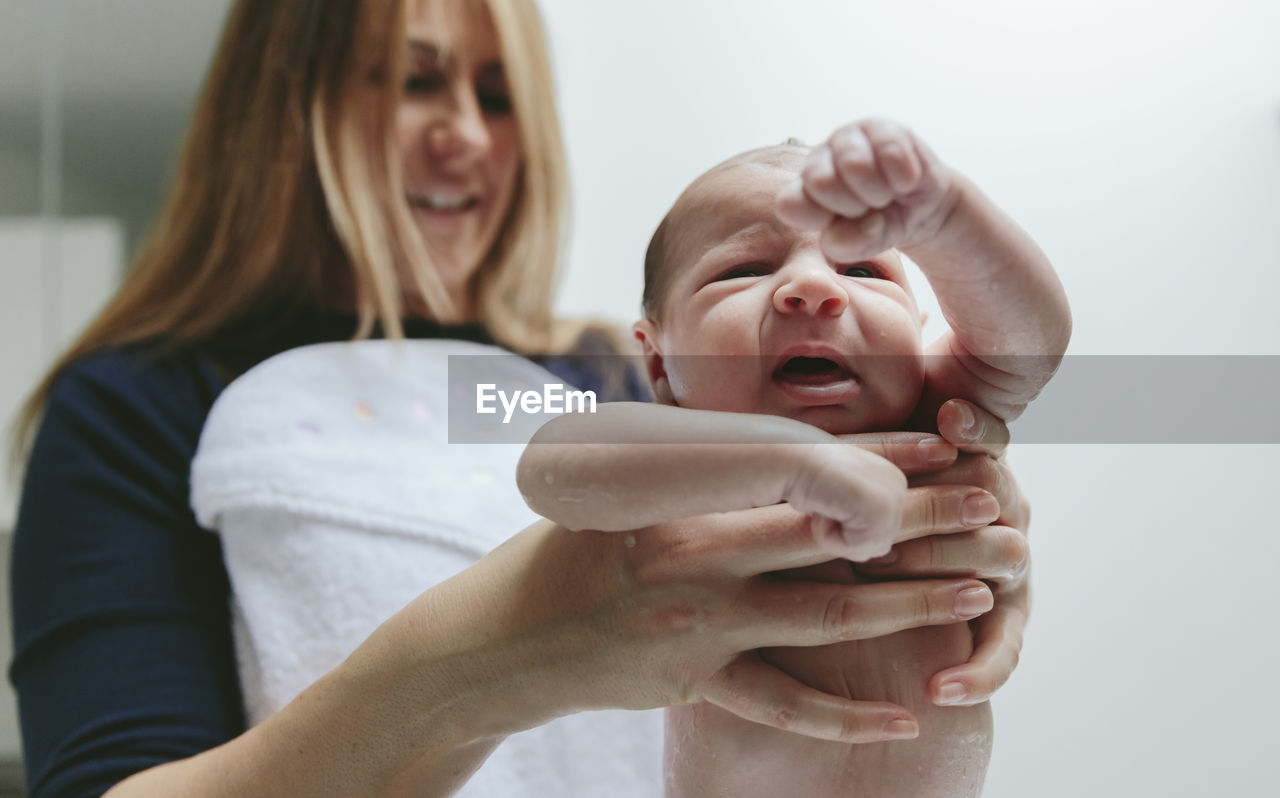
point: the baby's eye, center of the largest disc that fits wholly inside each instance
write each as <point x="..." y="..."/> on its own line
<point x="864" y="269"/>
<point x="745" y="270"/>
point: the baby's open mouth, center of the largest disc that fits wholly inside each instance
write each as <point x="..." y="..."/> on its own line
<point x="816" y="381"/>
<point x="812" y="371"/>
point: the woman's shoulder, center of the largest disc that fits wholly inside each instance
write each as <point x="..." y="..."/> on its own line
<point x="141" y="404"/>
<point x="175" y="382"/>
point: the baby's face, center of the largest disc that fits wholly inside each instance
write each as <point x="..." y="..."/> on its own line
<point x="755" y="319"/>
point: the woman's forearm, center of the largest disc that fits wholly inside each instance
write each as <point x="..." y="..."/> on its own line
<point x="327" y="742"/>
<point x="414" y="711"/>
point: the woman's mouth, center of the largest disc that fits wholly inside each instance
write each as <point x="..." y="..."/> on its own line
<point x="443" y="201"/>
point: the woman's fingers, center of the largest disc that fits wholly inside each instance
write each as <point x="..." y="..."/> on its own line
<point x="992" y="475"/>
<point x="997" y="646"/>
<point x="742" y="544"/>
<point x="776" y="538"/>
<point x="759" y="692"/>
<point x="995" y="553"/>
<point x="972" y="429"/>
<point x="819" y="613"/>
<point x="912" y="452"/>
<point x="941" y="509"/>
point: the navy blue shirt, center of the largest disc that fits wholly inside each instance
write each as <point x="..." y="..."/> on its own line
<point x="123" y="656"/>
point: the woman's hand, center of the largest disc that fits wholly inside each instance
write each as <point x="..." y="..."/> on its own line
<point x="674" y="614"/>
<point x="998" y="553"/>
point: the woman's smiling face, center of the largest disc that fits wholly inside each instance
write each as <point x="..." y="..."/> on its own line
<point x="457" y="136"/>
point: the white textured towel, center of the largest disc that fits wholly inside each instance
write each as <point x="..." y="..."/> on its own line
<point x="328" y="473"/>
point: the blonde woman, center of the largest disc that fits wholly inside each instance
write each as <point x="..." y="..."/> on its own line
<point x="383" y="168"/>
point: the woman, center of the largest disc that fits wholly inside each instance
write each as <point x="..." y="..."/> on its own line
<point x="337" y="182"/>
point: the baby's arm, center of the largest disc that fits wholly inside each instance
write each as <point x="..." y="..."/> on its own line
<point x="1006" y="309"/>
<point x="874" y="185"/>
<point x="631" y="465"/>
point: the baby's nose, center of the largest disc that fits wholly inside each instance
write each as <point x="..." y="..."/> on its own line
<point x="811" y="291"/>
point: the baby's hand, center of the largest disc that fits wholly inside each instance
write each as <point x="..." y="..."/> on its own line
<point x="872" y="186"/>
<point x="855" y="499"/>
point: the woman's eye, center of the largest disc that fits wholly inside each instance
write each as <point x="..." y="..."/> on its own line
<point x="860" y="270"/>
<point x="493" y="102"/>
<point x="424" y="82"/>
<point x="492" y="91"/>
<point x="748" y="270"/>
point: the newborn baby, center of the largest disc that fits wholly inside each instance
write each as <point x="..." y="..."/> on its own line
<point x="777" y="317"/>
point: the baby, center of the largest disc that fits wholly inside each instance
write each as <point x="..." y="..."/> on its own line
<point x="777" y="312"/>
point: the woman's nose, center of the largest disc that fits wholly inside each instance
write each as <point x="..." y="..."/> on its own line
<point x="812" y="289"/>
<point x="460" y="126"/>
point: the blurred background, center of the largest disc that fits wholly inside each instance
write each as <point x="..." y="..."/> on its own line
<point x="1138" y="142"/>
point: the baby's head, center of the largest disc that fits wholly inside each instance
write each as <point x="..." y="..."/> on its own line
<point x="745" y="314"/>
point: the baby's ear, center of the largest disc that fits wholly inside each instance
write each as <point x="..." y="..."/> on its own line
<point x="646" y="332"/>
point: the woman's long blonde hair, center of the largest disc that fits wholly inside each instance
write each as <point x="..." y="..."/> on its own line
<point x="277" y="202"/>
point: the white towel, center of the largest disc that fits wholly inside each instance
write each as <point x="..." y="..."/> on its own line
<point x="328" y="473"/>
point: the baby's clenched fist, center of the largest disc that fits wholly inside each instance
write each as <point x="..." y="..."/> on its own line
<point x="871" y="186"/>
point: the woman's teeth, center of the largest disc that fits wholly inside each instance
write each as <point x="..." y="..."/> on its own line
<point x="442" y="202"/>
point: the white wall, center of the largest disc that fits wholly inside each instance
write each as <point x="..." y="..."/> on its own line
<point x="1139" y="142"/>
<point x="53" y="279"/>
